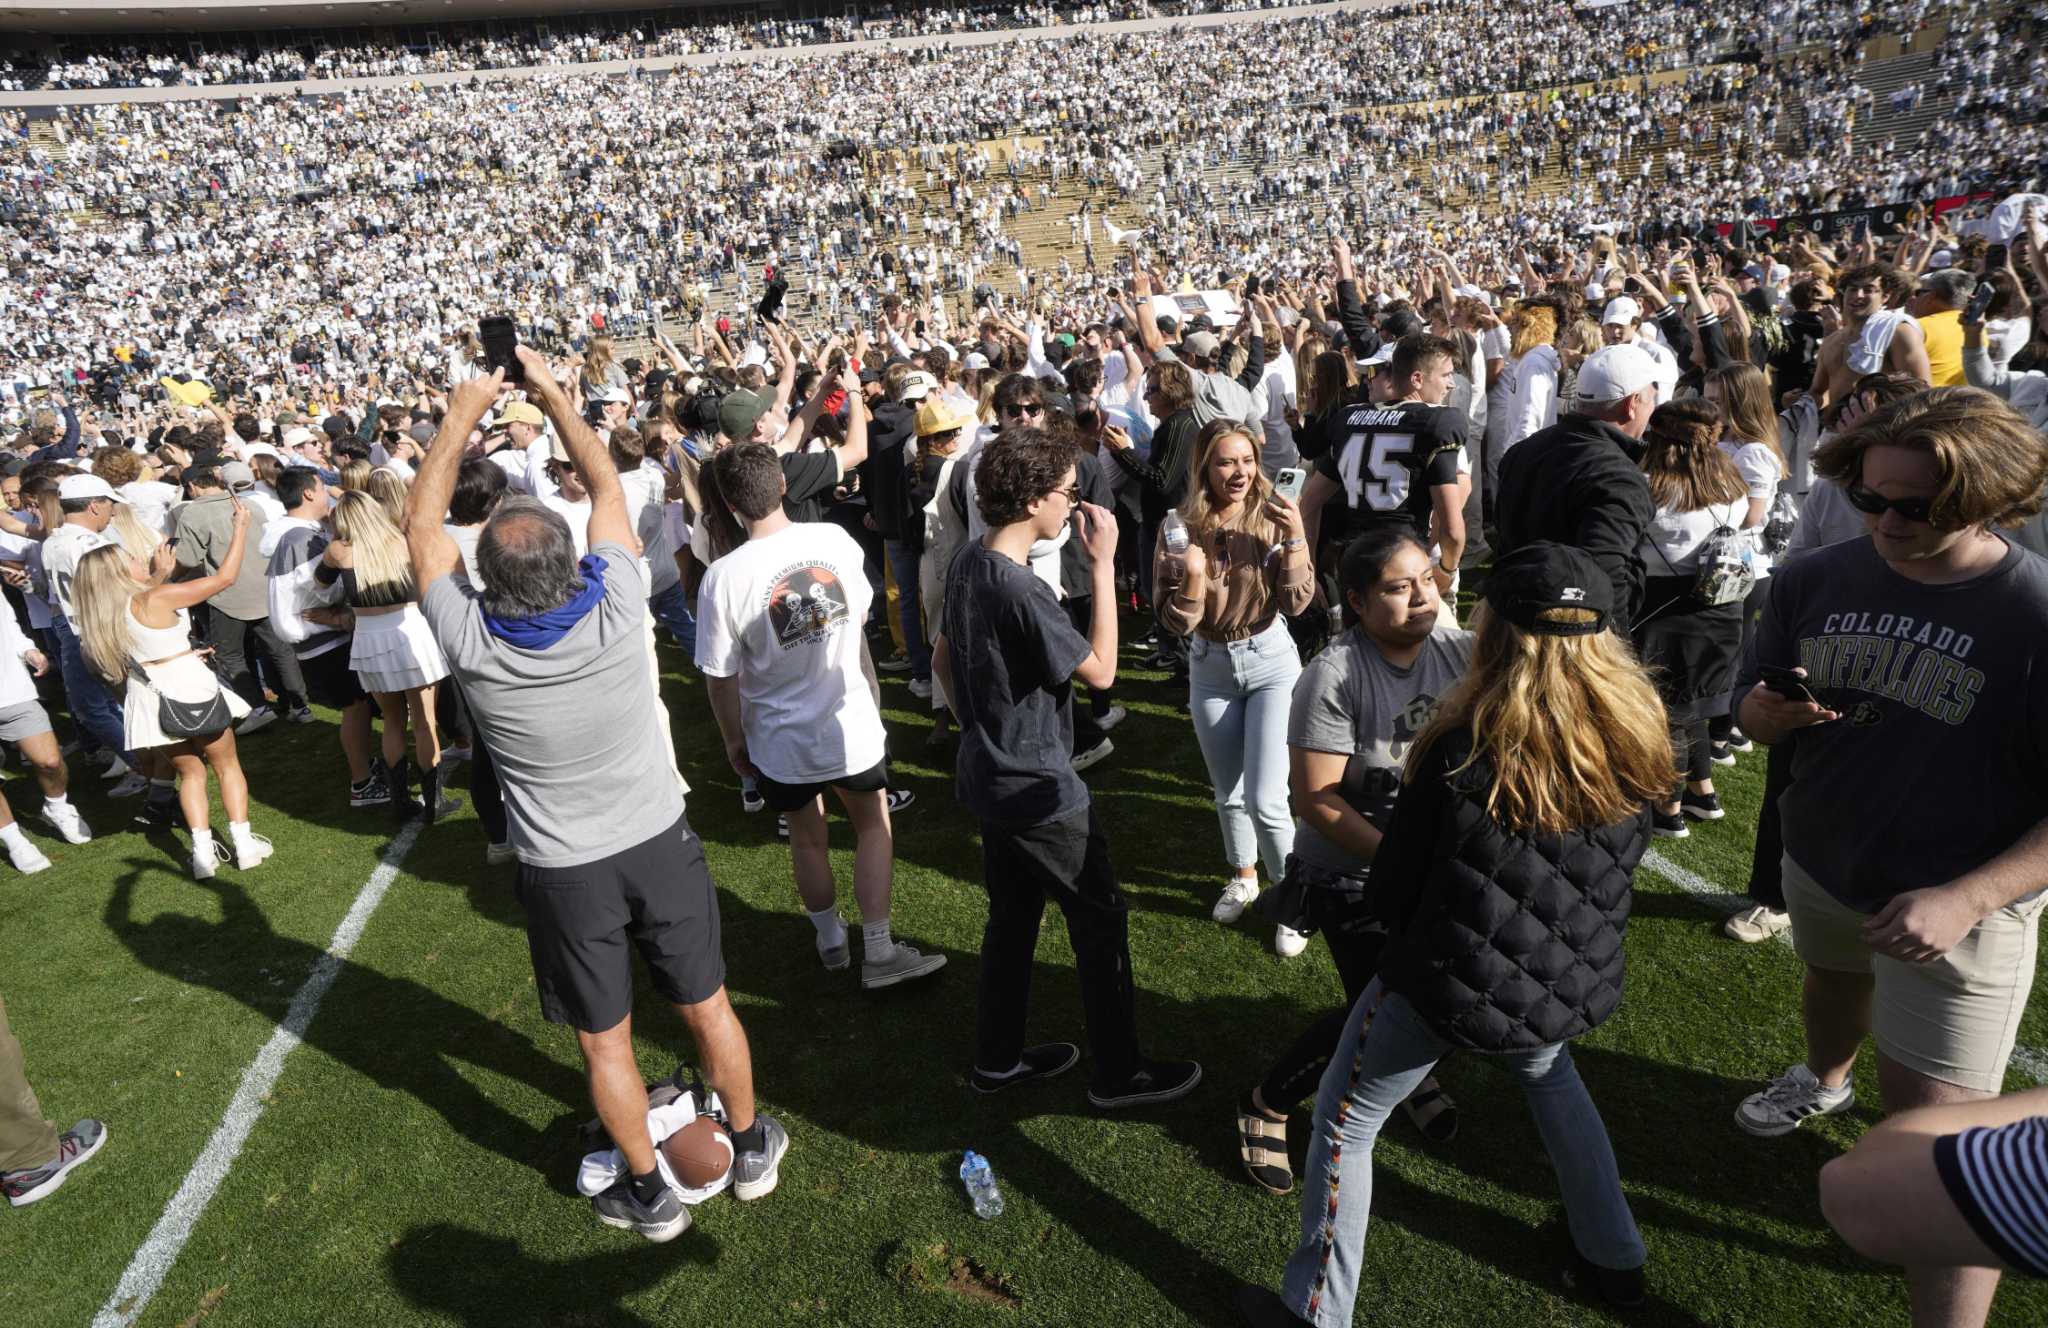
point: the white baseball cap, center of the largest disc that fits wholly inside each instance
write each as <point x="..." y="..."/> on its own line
<point x="74" y="487"/>
<point x="299" y="437"/>
<point x="916" y="384"/>
<point x="1622" y="309"/>
<point x="1614" y="372"/>
<point x="1383" y="355"/>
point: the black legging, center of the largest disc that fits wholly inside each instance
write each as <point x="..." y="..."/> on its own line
<point x="1695" y="750"/>
<point x="1356" y="940"/>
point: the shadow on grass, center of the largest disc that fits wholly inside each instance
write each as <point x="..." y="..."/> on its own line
<point x="489" y="1281"/>
<point x="401" y="1035"/>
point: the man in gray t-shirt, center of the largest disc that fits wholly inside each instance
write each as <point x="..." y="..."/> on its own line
<point x="1351" y="702"/>
<point x="552" y="657"/>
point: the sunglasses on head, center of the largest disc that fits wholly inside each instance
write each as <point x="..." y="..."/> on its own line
<point x="1876" y="504"/>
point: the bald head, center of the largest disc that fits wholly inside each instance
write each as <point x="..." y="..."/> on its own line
<point x="527" y="559"/>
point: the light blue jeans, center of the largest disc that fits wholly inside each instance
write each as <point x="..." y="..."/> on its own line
<point x="1387" y="1049"/>
<point x="1240" y="692"/>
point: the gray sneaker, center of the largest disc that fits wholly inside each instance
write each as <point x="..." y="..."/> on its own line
<point x="754" y="1174"/>
<point x="74" y="1146"/>
<point x="836" y="958"/>
<point x="662" y="1220"/>
<point x="907" y="965"/>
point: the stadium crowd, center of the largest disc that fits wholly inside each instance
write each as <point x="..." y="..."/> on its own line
<point x="1485" y="494"/>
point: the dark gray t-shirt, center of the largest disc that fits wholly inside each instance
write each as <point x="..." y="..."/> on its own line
<point x="1349" y="700"/>
<point x="572" y="727"/>
<point x="1939" y="762"/>
<point x="1014" y="654"/>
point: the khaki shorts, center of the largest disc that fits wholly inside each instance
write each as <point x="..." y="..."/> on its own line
<point x="1954" y="1019"/>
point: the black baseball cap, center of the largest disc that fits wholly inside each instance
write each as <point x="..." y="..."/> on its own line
<point x="1547" y="575"/>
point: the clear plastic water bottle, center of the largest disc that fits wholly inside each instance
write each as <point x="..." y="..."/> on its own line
<point x="1174" y="532"/>
<point x="981" y="1186"/>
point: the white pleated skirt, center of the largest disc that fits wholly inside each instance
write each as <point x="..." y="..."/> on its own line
<point x="395" y="652"/>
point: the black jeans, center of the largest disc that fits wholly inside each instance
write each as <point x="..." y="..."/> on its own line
<point x="1357" y="938"/>
<point x="1068" y="860"/>
<point x="230" y="638"/>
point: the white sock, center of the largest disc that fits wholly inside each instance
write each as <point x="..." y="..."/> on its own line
<point x="238" y="831"/>
<point x="10" y="835"/>
<point x="53" y="802"/>
<point x="831" y="928"/>
<point x="876" y="945"/>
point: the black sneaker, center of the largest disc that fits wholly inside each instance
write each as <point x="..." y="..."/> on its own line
<point x="1622" y="1288"/>
<point x="1670" y="826"/>
<point x="1044" y="1061"/>
<point x="1701" y="806"/>
<point x="1720" y="753"/>
<point x="898" y="799"/>
<point x="893" y="664"/>
<point x="1261" y="1307"/>
<point x="1154" y="1082"/>
<point x="371" y="792"/>
<point x="1738" y="741"/>
<point x="152" y="816"/>
<point x="662" y="1220"/>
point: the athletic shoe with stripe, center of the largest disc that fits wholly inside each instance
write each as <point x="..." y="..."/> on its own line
<point x="662" y="1220"/>
<point x="755" y="1172"/>
<point x="1791" y="1099"/>
<point x="74" y="1146"/>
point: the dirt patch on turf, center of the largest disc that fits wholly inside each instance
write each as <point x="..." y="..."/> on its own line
<point x="939" y="1267"/>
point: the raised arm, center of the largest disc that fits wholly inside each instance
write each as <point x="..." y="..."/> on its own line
<point x="434" y="555"/>
<point x="184" y="594"/>
<point x="609" y="523"/>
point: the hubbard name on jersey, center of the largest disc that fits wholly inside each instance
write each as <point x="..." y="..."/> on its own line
<point x="1387" y="461"/>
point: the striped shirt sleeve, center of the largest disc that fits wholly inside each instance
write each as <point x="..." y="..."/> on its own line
<point x="1998" y="1178"/>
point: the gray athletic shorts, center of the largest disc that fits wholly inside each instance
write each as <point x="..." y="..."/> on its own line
<point x="19" y="722"/>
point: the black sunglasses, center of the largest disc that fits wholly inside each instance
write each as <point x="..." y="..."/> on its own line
<point x="1876" y="504"/>
<point x="1023" y="409"/>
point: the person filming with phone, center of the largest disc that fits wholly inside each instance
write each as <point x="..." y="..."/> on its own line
<point x="1240" y="570"/>
<point x="1914" y="670"/>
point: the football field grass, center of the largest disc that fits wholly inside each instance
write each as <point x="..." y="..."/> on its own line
<point x="413" y="1162"/>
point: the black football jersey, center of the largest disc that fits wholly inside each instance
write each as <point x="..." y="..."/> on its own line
<point x="1385" y="462"/>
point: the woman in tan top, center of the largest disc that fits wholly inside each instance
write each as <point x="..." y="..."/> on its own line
<point x="1246" y="568"/>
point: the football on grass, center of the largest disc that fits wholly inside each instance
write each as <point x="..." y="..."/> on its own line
<point x="700" y="1153"/>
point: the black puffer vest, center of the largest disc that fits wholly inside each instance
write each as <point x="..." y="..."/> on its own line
<point x="1511" y="941"/>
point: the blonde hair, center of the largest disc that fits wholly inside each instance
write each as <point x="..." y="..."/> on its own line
<point x="389" y="488"/>
<point x="381" y="559"/>
<point x="1745" y="399"/>
<point x="1533" y="325"/>
<point x="598" y="362"/>
<point x="1573" y="734"/>
<point x="135" y="538"/>
<point x="101" y="592"/>
<point x="355" y="476"/>
<point x="1199" y="509"/>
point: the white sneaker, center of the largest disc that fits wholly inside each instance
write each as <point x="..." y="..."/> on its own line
<point x="251" y="849"/>
<point x="205" y="861"/>
<point x="1790" y="1098"/>
<point x="27" y="858"/>
<point x="66" y="821"/>
<point x="1287" y="942"/>
<point x="134" y="784"/>
<point x="1757" y="924"/>
<point x="921" y="688"/>
<point x="1111" y="717"/>
<point x="1230" y="904"/>
<point x="1095" y="755"/>
<point x="260" y="718"/>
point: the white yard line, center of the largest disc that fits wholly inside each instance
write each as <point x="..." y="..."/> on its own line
<point x="2029" y="1061"/>
<point x="152" y="1263"/>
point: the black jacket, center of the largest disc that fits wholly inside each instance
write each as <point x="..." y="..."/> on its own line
<point x="1501" y="941"/>
<point x="882" y="474"/>
<point x="1579" y="483"/>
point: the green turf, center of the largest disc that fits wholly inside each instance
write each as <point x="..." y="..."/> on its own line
<point x="415" y="1160"/>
